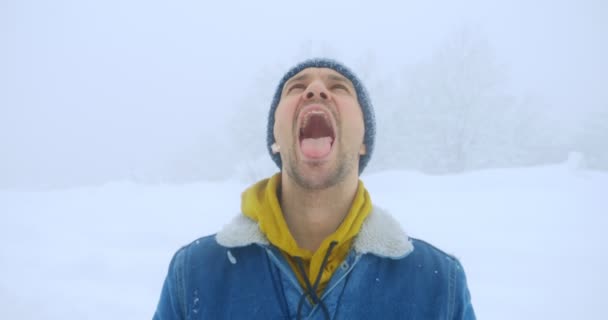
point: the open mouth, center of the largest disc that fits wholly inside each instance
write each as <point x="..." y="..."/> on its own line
<point x="316" y="133"/>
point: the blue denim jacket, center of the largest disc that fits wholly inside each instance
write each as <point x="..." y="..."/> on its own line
<point x="237" y="274"/>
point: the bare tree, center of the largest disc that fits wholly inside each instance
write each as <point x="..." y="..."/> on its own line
<point x="454" y="111"/>
<point x="593" y="139"/>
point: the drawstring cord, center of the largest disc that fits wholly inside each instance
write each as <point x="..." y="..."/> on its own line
<point x="312" y="290"/>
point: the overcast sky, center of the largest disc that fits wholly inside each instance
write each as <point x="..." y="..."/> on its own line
<point x="107" y="86"/>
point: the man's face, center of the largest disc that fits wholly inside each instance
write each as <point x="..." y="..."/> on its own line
<point x="319" y="128"/>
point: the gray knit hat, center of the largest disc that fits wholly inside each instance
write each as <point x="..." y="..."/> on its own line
<point x="364" y="101"/>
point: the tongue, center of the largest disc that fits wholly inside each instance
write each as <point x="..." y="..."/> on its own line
<point x="316" y="148"/>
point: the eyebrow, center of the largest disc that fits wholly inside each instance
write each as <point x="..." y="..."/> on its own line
<point x="295" y="79"/>
<point x="335" y="77"/>
<point x="330" y="77"/>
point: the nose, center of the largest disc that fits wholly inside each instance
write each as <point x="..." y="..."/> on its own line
<point x="316" y="89"/>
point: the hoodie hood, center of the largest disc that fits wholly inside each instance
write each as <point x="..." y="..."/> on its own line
<point x="261" y="204"/>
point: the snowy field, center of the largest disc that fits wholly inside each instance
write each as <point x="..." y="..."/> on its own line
<point x="531" y="240"/>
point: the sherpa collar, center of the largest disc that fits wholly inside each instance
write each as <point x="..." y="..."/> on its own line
<point x="380" y="235"/>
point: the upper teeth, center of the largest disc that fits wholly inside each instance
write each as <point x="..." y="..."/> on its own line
<point x="308" y="115"/>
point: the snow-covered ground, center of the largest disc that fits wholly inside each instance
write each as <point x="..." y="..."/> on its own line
<point x="531" y="240"/>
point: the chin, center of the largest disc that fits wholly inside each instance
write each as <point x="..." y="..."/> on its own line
<point x="316" y="175"/>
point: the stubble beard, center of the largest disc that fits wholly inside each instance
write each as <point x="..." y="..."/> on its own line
<point x="345" y="164"/>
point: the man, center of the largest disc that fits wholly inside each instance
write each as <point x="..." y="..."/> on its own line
<point x="309" y="244"/>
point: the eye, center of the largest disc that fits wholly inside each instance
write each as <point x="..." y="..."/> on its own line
<point x="296" y="87"/>
<point x="339" y="86"/>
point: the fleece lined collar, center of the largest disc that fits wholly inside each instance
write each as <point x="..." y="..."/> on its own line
<point x="380" y="235"/>
<point x="261" y="204"/>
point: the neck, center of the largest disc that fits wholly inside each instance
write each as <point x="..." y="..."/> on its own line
<point x="313" y="215"/>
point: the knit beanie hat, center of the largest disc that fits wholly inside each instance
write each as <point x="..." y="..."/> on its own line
<point x="364" y="101"/>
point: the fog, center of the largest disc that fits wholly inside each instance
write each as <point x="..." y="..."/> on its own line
<point x="129" y="128"/>
<point x="159" y="91"/>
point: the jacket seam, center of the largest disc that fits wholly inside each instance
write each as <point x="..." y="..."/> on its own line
<point x="278" y="287"/>
<point x="283" y="269"/>
<point x="451" y="290"/>
<point x="179" y="280"/>
<point x="447" y="255"/>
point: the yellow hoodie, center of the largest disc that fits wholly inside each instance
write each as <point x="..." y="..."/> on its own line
<point x="260" y="203"/>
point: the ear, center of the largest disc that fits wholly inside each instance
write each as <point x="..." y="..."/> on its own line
<point x="275" y="148"/>
<point x="363" y="149"/>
